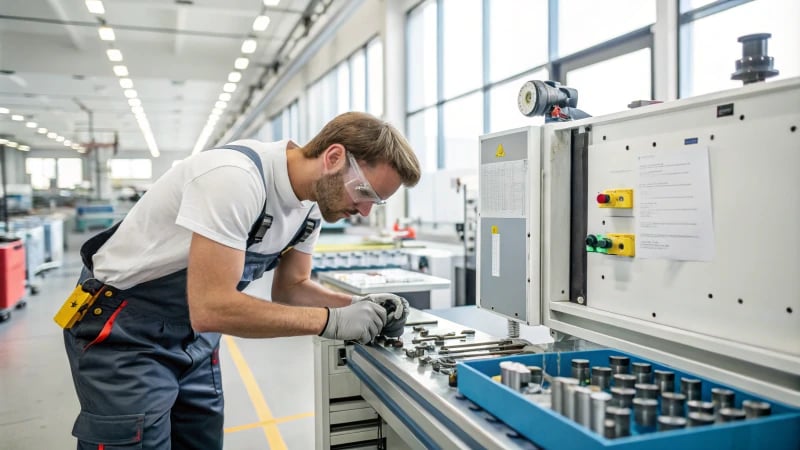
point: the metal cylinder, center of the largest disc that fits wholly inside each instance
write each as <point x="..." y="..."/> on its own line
<point x="601" y="377"/>
<point x="537" y="376"/>
<point x="754" y="408"/>
<point x="666" y="423"/>
<point x="722" y="398"/>
<point x="580" y="371"/>
<point x="644" y="390"/>
<point x="556" y="401"/>
<point x="505" y="371"/>
<point x="623" y="380"/>
<point x="514" y="380"/>
<point x="619" y="364"/>
<point x="583" y="406"/>
<point x="643" y="372"/>
<point x="524" y="375"/>
<point x="600" y="401"/>
<point x="692" y="388"/>
<point x="673" y="404"/>
<point x="730" y="415"/>
<point x="622" y="397"/>
<point x="609" y="427"/>
<point x="645" y="412"/>
<point x="700" y="407"/>
<point x="698" y="419"/>
<point x="622" y="420"/>
<point x="665" y="380"/>
<point x="568" y="386"/>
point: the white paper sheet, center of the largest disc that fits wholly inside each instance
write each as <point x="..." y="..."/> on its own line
<point x="673" y="205"/>
<point x="503" y="189"/>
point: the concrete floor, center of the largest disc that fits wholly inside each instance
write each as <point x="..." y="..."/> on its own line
<point x="268" y="383"/>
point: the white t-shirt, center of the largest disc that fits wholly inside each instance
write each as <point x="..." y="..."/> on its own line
<point x="217" y="194"/>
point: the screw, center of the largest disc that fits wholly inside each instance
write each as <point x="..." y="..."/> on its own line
<point x="581" y="300"/>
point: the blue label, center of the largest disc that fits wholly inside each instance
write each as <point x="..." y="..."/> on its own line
<point x="689" y="141"/>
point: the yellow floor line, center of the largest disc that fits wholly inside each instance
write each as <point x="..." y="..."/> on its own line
<point x="284" y="419"/>
<point x="270" y="426"/>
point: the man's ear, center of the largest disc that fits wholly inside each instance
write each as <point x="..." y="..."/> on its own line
<point x="334" y="158"/>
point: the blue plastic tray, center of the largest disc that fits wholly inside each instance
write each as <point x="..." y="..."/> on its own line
<point x="550" y="430"/>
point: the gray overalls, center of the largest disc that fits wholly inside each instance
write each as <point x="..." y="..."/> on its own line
<point x="143" y="377"/>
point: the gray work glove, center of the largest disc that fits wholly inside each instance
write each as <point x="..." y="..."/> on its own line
<point x="398" y="311"/>
<point x="357" y="322"/>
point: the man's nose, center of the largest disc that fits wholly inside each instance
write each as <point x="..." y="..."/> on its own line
<point x="364" y="208"/>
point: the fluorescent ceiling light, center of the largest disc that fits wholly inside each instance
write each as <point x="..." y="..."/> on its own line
<point x="225" y="97"/>
<point x="106" y="33"/>
<point x="42" y="130"/>
<point x="216" y="111"/>
<point x="271" y="2"/>
<point x="60" y="138"/>
<point x="31" y="124"/>
<point x="24" y="148"/>
<point x="137" y="110"/>
<point x="18" y="117"/>
<point x="76" y="146"/>
<point x="114" y="55"/>
<point x="125" y="83"/>
<point x="241" y="63"/>
<point x="131" y="93"/>
<point x="4" y="111"/>
<point x="52" y="135"/>
<point x="235" y="77"/>
<point x="221" y="105"/>
<point x="95" y="6"/>
<point x="121" y="71"/>
<point x="67" y="143"/>
<point x="249" y="46"/>
<point x="227" y="87"/>
<point x="261" y="23"/>
<point x="12" y="144"/>
<point x="134" y="102"/>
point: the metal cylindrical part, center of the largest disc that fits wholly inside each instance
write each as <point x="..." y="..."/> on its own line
<point x="600" y="401"/>
<point x="609" y="427"/>
<point x="556" y="401"/>
<point x="645" y="411"/>
<point x="644" y="390"/>
<point x="505" y="372"/>
<point x="537" y="376"/>
<point x="692" y="388"/>
<point x="619" y="364"/>
<point x="665" y="380"/>
<point x="643" y="372"/>
<point x="622" y="397"/>
<point x="568" y="386"/>
<point x="524" y="375"/>
<point x="673" y="404"/>
<point x="722" y="398"/>
<point x="753" y="409"/>
<point x="583" y="406"/>
<point x="730" y="414"/>
<point x="700" y="407"/>
<point x="514" y="379"/>
<point x="698" y="419"/>
<point x="580" y="370"/>
<point x="623" y="380"/>
<point x="622" y="420"/>
<point x="666" y="423"/>
<point x="601" y="377"/>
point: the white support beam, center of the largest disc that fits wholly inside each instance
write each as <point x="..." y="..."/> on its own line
<point x="180" y="24"/>
<point x="74" y="36"/>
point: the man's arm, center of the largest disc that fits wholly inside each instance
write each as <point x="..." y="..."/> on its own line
<point x="215" y="305"/>
<point x="292" y="285"/>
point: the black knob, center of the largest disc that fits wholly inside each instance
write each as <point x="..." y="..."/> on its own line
<point x="591" y="240"/>
<point x="604" y="243"/>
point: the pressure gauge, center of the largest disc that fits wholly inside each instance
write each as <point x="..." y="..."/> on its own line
<point x="526" y="100"/>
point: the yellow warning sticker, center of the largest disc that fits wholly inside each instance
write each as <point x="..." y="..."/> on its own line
<point x="495" y="230"/>
<point x="500" y="151"/>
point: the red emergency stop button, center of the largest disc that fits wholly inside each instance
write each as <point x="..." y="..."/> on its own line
<point x="603" y="198"/>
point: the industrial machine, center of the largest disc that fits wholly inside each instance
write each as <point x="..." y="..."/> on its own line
<point x="664" y="237"/>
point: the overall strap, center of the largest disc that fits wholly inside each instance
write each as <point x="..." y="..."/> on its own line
<point x="264" y="220"/>
<point x="308" y="227"/>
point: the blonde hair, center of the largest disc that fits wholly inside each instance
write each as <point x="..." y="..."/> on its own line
<point x="369" y="139"/>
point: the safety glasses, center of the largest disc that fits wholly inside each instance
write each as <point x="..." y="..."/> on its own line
<point x="358" y="187"/>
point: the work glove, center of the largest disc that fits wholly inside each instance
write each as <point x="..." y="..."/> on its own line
<point x="360" y="322"/>
<point x="397" y="309"/>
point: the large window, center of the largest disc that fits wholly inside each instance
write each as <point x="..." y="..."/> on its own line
<point x="66" y="172"/>
<point x="285" y="124"/>
<point x="131" y="169"/>
<point x="709" y="40"/>
<point x="586" y="23"/>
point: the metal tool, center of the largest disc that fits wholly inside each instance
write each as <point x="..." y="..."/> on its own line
<point x="619" y="364"/>
<point x="665" y="380"/>
<point x="601" y="376"/>
<point x="692" y="388"/>
<point x="643" y="372"/>
<point x="673" y="404"/>
<point x="644" y="390"/>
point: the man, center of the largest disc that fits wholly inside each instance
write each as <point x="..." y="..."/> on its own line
<point x="167" y="280"/>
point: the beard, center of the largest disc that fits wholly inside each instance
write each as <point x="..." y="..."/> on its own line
<point x="329" y="190"/>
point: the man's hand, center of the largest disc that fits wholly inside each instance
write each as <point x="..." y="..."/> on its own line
<point x="360" y="321"/>
<point x="397" y="308"/>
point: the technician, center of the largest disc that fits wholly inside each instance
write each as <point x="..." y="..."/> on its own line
<point x="167" y="280"/>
